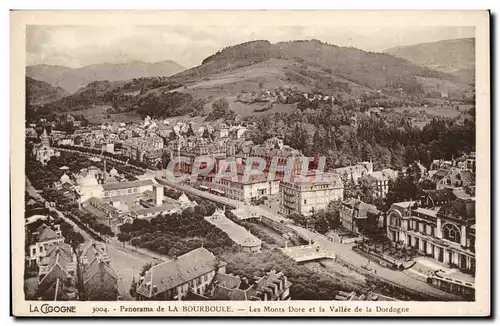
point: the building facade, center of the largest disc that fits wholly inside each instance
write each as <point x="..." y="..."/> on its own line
<point x="173" y="279"/>
<point x="143" y="148"/>
<point x="445" y="233"/>
<point x="304" y="196"/>
<point x="360" y="217"/>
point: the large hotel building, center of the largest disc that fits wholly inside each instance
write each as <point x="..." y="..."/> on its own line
<point x="304" y="196"/>
<point x="438" y="227"/>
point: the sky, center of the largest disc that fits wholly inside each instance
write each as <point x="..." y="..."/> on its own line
<point x="77" y="46"/>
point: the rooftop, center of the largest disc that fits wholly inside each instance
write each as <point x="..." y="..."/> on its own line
<point x="236" y="232"/>
<point x="178" y="271"/>
<point x="127" y="184"/>
<point x="363" y="208"/>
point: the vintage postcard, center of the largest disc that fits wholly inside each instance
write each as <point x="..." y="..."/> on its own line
<point x="250" y="163"/>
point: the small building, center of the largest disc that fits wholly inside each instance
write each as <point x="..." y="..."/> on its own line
<point x="40" y="241"/>
<point x="360" y="217"/>
<point x="380" y="180"/>
<point x="273" y="286"/>
<point x="100" y="281"/>
<point x="239" y="235"/>
<point x="57" y="274"/>
<point x="173" y="279"/>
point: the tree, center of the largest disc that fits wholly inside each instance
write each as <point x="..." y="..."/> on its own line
<point x="124" y="237"/>
<point x="146" y="267"/>
<point x="75" y="239"/>
<point x="351" y="190"/>
<point x="297" y="218"/>
<point x="133" y="288"/>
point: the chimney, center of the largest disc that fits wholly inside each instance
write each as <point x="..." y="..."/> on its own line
<point x="158" y="193"/>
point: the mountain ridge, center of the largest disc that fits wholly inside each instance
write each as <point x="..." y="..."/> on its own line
<point x="453" y="56"/>
<point x="39" y="92"/>
<point x="345" y="73"/>
<point x="72" y="79"/>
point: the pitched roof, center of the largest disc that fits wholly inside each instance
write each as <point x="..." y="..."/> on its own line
<point x="48" y="234"/>
<point x="97" y="266"/>
<point x="440" y="195"/>
<point x="267" y="283"/>
<point x="236" y="232"/>
<point x="361" y="207"/>
<point x="228" y="280"/>
<point x="59" y="260"/>
<point x="177" y="271"/>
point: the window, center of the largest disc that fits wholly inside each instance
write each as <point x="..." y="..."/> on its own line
<point x="305" y="201"/>
<point x="451" y="232"/>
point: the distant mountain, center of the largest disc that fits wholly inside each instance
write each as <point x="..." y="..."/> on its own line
<point x="241" y="71"/>
<point x="39" y="92"/>
<point x="73" y="79"/>
<point x="455" y="57"/>
<point x="373" y="70"/>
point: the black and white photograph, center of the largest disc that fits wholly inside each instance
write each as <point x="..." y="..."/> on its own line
<point x="196" y="164"/>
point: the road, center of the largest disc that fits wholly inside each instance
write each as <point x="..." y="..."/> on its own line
<point x="222" y="200"/>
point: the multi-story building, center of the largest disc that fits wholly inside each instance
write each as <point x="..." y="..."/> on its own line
<point x="40" y="241"/>
<point x="239" y="187"/>
<point x="445" y="233"/>
<point x="355" y="172"/>
<point x="454" y="177"/>
<point x="466" y="162"/>
<point x="143" y="148"/>
<point x="360" y="217"/>
<point x="380" y="181"/>
<point x="173" y="279"/>
<point x="304" y="195"/>
<point x="100" y="281"/>
<point x="57" y="274"/>
<point x="126" y="188"/>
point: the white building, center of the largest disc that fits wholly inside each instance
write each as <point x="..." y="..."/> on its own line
<point x="304" y="196"/>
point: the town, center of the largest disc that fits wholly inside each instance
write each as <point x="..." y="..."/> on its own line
<point x="106" y="221"/>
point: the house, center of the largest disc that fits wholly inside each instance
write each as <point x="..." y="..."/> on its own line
<point x="380" y="181"/>
<point x="454" y="177"/>
<point x="360" y="217"/>
<point x="100" y="281"/>
<point x="173" y="279"/>
<point x="273" y="286"/>
<point x="40" y="241"/>
<point x="57" y="274"/>
<point x="416" y="169"/>
<point x="355" y="171"/>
